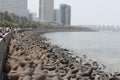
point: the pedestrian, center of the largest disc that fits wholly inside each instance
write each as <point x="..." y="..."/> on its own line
<point x="3" y="31"/>
<point x="14" y="31"/>
<point x="1" y="35"/>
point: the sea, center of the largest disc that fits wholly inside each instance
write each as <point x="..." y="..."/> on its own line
<point x="102" y="46"/>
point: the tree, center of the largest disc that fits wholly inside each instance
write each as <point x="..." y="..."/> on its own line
<point x="10" y="19"/>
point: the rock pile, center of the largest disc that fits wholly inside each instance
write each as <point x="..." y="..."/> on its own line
<point x="32" y="58"/>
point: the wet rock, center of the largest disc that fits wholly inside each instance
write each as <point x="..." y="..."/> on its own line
<point x="88" y="72"/>
<point x="87" y="64"/>
<point x="40" y="76"/>
<point x="13" y="76"/>
<point x="68" y="75"/>
<point x="7" y="68"/>
<point x="95" y="63"/>
<point x="14" y="65"/>
<point x="20" y="78"/>
<point x="27" y="77"/>
<point x="49" y="67"/>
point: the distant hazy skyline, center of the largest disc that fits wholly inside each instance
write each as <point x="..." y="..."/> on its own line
<point x="87" y="12"/>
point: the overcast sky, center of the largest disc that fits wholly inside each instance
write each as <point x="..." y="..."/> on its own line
<point x="88" y="12"/>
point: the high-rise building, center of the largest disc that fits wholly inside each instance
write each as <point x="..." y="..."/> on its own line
<point x="46" y="10"/>
<point x="57" y="16"/>
<point x="65" y="13"/>
<point x="35" y="17"/>
<point x="19" y="7"/>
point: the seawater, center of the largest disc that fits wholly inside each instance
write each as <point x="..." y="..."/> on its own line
<point x="103" y="46"/>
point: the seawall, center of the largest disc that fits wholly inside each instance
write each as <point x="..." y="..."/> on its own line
<point x="35" y="59"/>
<point x="3" y="51"/>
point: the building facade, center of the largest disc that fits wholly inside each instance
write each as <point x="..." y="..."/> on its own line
<point x="30" y="16"/>
<point x="35" y="17"/>
<point x="65" y="14"/>
<point x="19" y="7"/>
<point x="46" y="10"/>
<point x="57" y="16"/>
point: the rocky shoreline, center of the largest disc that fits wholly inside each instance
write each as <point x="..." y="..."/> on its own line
<point x="30" y="57"/>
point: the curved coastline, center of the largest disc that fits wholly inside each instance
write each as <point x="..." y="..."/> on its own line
<point x="32" y="58"/>
<point x="98" y="46"/>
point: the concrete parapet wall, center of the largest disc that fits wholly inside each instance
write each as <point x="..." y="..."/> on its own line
<point x="3" y="52"/>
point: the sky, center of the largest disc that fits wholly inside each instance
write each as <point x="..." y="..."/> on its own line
<point x="87" y="12"/>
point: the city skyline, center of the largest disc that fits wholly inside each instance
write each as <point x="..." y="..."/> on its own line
<point x="84" y="12"/>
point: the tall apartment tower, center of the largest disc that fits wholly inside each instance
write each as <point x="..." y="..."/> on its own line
<point x="57" y="16"/>
<point x="46" y="10"/>
<point x="65" y="13"/>
<point x="19" y="7"/>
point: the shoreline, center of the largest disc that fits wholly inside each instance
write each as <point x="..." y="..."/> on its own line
<point x="111" y="61"/>
<point x="32" y="58"/>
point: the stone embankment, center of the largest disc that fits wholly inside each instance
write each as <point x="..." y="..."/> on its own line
<point x="32" y="58"/>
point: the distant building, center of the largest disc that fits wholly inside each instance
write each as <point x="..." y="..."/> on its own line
<point x="34" y="15"/>
<point x="65" y="13"/>
<point x="57" y="16"/>
<point x="35" y="18"/>
<point x="46" y="10"/>
<point x="19" y="7"/>
<point x="30" y="16"/>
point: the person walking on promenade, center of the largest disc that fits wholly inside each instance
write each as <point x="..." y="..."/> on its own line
<point x="1" y="35"/>
<point x="14" y="31"/>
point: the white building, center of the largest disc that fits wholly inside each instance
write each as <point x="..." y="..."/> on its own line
<point x="46" y="10"/>
<point x="57" y="16"/>
<point x="19" y="7"/>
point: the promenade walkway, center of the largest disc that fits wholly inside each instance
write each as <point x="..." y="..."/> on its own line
<point x="3" y="52"/>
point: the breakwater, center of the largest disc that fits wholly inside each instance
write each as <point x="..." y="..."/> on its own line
<point x="100" y="46"/>
<point x="32" y="58"/>
<point x="5" y="45"/>
<point x="3" y="52"/>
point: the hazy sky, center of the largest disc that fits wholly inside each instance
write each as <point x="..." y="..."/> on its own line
<point x="88" y="12"/>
